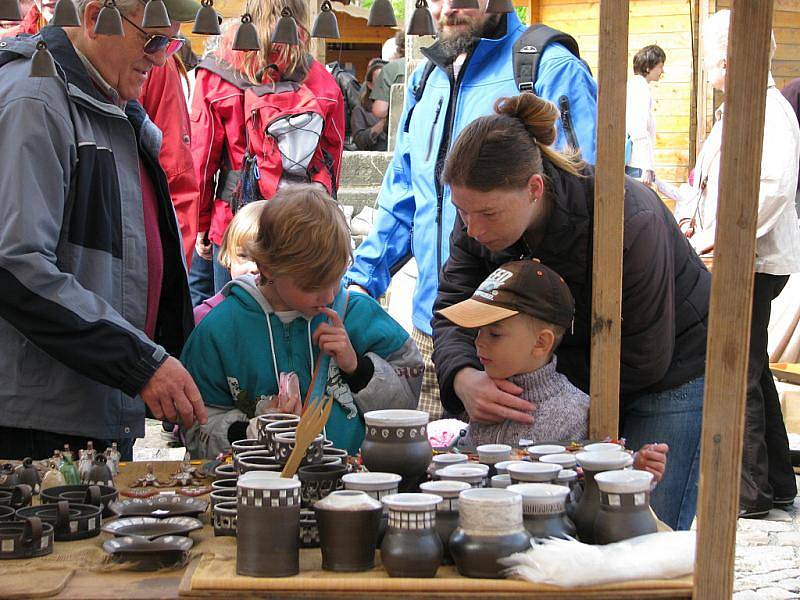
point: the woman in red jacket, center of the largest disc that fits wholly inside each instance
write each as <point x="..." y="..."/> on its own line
<point x="218" y="120"/>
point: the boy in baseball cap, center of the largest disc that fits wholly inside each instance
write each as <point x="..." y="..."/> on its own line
<point x="522" y="311"/>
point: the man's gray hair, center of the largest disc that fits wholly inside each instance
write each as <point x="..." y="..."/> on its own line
<point x="125" y="6"/>
<point x="715" y="38"/>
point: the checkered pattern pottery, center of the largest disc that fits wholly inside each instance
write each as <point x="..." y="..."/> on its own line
<point x="265" y="498"/>
<point x="401" y="519"/>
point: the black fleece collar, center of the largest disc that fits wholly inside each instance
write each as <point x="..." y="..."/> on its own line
<point x="437" y="56"/>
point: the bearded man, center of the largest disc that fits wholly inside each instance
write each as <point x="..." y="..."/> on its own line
<point x="473" y="67"/>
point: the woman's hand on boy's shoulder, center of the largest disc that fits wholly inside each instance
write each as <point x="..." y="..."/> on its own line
<point x="488" y="400"/>
<point x="332" y="339"/>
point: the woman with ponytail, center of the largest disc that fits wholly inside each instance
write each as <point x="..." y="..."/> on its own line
<point x="517" y="197"/>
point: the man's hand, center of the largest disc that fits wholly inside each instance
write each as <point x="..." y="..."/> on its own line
<point x="333" y="340"/>
<point x="379" y="126"/>
<point x="490" y="400"/>
<point x="202" y="248"/>
<point x="172" y="394"/>
<point x="652" y="458"/>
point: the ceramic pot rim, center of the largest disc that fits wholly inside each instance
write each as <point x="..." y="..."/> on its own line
<point x="278" y="417"/>
<point x="545" y="449"/>
<point x="266" y="480"/>
<point x="289" y="437"/>
<point x="459" y="470"/>
<point x="540" y="493"/>
<point x="502" y="466"/>
<point x="396" y="417"/>
<point x="352" y="501"/>
<point x="227" y="506"/>
<point x="413" y="501"/>
<point x="446" y="488"/>
<point x="564" y="459"/>
<point x="534" y="468"/>
<point x="603" y="447"/>
<point x="567" y="475"/>
<point x="497" y="497"/>
<point x="371" y="481"/>
<point x="450" y="458"/>
<point x="602" y="460"/>
<point x="624" y="482"/>
<point x="501" y="480"/>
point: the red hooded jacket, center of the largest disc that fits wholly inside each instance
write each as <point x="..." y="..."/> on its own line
<point x="218" y="136"/>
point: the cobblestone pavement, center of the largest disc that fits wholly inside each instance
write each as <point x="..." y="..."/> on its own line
<point x="767" y="550"/>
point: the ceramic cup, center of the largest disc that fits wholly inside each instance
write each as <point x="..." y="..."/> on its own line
<point x="396" y="441"/>
<point x="592" y="463"/>
<point x="274" y="428"/>
<point x="490" y="454"/>
<point x="223" y="515"/>
<point x="440" y="461"/>
<point x="222" y="495"/>
<point x="411" y="546"/>
<point x="263" y="420"/>
<point x="225" y="471"/>
<point x="503" y="480"/>
<point x="376" y="485"/>
<point x="446" y="510"/>
<point x="544" y="510"/>
<point x="224" y="484"/>
<point x="502" y="466"/>
<point x="624" y="506"/>
<point x="474" y="474"/>
<point x="603" y="447"/>
<point x="348" y="524"/>
<point x="318" y="481"/>
<point x="259" y="463"/>
<point x="268" y="525"/>
<point x="249" y="454"/>
<point x="533" y="472"/>
<point x="540" y="450"/>
<point x="283" y="443"/>
<point x="565" y="460"/>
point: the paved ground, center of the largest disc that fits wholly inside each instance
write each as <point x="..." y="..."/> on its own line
<point x="767" y="550"/>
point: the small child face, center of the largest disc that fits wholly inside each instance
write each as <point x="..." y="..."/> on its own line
<point x="509" y="347"/>
<point x="307" y="301"/>
<point x="242" y="264"/>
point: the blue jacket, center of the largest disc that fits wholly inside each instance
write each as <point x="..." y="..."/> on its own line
<point x="415" y="215"/>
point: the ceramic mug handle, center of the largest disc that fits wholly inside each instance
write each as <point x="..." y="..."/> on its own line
<point x="62" y="514"/>
<point x="32" y="534"/>
<point x="93" y="495"/>
<point x="21" y="496"/>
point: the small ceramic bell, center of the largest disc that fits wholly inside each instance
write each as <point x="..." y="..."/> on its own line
<point x="421" y="20"/>
<point x="285" y="29"/>
<point x="109" y="21"/>
<point x="155" y="14"/>
<point x="500" y="6"/>
<point x="10" y="10"/>
<point x="207" y="21"/>
<point x="464" y="4"/>
<point x="100" y="474"/>
<point x="29" y="475"/>
<point x="65" y="14"/>
<point x="246" y="36"/>
<point x="53" y="477"/>
<point x="381" y="14"/>
<point x="325" y="25"/>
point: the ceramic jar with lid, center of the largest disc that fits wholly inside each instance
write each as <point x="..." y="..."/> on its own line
<point x="593" y="463"/>
<point x="475" y="474"/>
<point x="348" y="522"/>
<point x="446" y="511"/>
<point x="544" y="509"/>
<point x="624" y="506"/>
<point x="490" y="528"/>
<point x="411" y="546"/>
<point x="396" y="441"/>
<point x="533" y="472"/>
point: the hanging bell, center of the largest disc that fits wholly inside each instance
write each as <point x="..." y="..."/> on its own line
<point x="325" y="25"/>
<point x="246" y="36"/>
<point x="500" y="6"/>
<point x="155" y="14"/>
<point x="42" y="64"/>
<point x="109" y="21"/>
<point x="10" y="10"/>
<point x="65" y="14"/>
<point x="421" y="21"/>
<point x="381" y="15"/>
<point x="285" y="29"/>
<point x="464" y="4"/>
<point x="206" y="22"/>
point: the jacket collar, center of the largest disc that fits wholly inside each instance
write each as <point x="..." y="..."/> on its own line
<point x="64" y="54"/>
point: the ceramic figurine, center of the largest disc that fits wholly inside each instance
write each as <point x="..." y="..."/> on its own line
<point x="149" y="478"/>
<point x="67" y="453"/>
<point x="113" y="458"/>
<point x="100" y="474"/>
<point x="90" y="451"/>
<point x="29" y="475"/>
<point x="68" y="469"/>
<point x="57" y="459"/>
<point x="84" y="465"/>
<point x="53" y="477"/>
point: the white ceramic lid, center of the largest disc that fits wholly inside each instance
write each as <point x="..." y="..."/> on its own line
<point x="266" y="480"/>
<point x="544" y="493"/>
<point x="444" y="487"/>
<point x="502" y="466"/>
<point x="624" y="482"/>
<point x="544" y="449"/>
<point x="533" y="468"/>
<point x="370" y="481"/>
<point x="396" y="417"/>
<point x="348" y="500"/>
<point x="411" y="501"/>
<point x="601" y="446"/>
<point x="604" y="460"/>
<point x="564" y="459"/>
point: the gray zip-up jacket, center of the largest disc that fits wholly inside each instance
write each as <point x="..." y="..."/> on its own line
<point x="73" y="253"/>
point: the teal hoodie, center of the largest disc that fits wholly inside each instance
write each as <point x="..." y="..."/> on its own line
<point x="230" y="357"/>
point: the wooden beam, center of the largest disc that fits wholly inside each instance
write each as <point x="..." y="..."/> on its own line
<point x="609" y="196"/>
<point x="698" y="81"/>
<point x="731" y="297"/>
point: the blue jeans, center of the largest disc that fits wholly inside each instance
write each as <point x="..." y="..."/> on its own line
<point x="674" y="417"/>
<point x="221" y="274"/>
<point x="634" y="172"/>
<point x="201" y="279"/>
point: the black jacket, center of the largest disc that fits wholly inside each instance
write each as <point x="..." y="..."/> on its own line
<point x="665" y="290"/>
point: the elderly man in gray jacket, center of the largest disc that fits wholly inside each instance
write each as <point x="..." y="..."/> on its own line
<point x="94" y="302"/>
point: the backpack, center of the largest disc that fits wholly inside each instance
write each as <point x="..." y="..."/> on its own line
<point x="351" y="90"/>
<point x="283" y="129"/>
<point x="528" y="50"/>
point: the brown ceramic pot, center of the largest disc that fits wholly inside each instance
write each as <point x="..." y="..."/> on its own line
<point x="396" y="441"/>
<point x="348" y="530"/>
<point x="411" y="546"/>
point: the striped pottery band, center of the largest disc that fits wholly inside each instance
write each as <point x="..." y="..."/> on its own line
<point x="398" y="434"/>
<point x="490" y="512"/>
<point x="277" y="497"/>
<point x="224" y="518"/>
<point x="402" y="519"/>
<point x="625" y="501"/>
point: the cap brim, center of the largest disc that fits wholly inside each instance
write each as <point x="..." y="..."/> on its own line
<point x="472" y="313"/>
<point x="182" y="11"/>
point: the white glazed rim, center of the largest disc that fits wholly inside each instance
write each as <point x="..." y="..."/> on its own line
<point x="567" y="474"/>
<point x="604" y="460"/>
<point x="266" y="480"/>
<point x="461" y="470"/>
<point x="532" y="467"/>
<point x="290" y="436"/>
<point x="624" y="482"/>
<point x="446" y="488"/>
<point x="602" y="447"/>
<point x="375" y="480"/>
<point x="502" y="466"/>
<point x="544" y="493"/>
<point x="450" y="458"/>
<point x="396" y="417"/>
<point x="411" y="501"/>
<point x="349" y="499"/>
<point x="497" y="496"/>
<point x="562" y="458"/>
<point x="493" y="449"/>
<point x="545" y="449"/>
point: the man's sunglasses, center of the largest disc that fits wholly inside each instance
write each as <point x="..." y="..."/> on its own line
<point x="157" y="42"/>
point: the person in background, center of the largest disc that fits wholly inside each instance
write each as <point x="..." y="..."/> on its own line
<point x="768" y="479"/>
<point x="792" y="93"/>
<point x="368" y="130"/>
<point x="393" y="72"/>
<point x="234" y="252"/>
<point x="640" y="123"/>
<point x="33" y="20"/>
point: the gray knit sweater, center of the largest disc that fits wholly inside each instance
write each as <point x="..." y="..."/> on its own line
<point x="561" y="413"/>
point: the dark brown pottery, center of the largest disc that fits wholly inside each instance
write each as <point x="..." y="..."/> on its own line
<point x="318" y="481"/>
<point x="224" y="518"/>
<point x="161" y="506"/>
<point x="249" y="454"/>
<point x="348" y="524"/>
<point x="28" y="539"/>
<point x="274" y="428"/>
<point x="29" y="475"/>
<point x="7" y="513"/>
<point x="259" y="463"/>
<point x="396" y="441"/>
<point x="490" y="528"/>
<point x="264" y="420"/>
<point x="268" y="526"/>
<point x="411" y="546"/>
<point x="100" y="473"/>
<point x="309" y="531"/>
<point x="224" y="495"/>
<point x="152" y="528"/>
<point x="225" y="471"/>
<point x="224" y="484"/>
<point x="446" y="511"/>
<point x="70" y="521"/>
<point x="8" y="476"/>
<point x="82" y="494"/>
<point x="149" y="555"/>
<point x="544" y="510"/>
<point x="283" y="444"/>
<point x="17" y="497"/>
<point x="592" y="463"/>
<point x="624" y="506"/>
<point x="246" y="446"/>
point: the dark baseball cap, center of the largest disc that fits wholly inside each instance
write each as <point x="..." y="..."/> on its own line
<point x="520" y="287"/>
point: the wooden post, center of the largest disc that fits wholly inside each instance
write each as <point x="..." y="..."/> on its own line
<point x="609" y="196"/>
<point x="731" y="297"/>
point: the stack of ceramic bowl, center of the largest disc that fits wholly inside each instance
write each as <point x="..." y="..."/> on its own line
<point x="539" y="450"/>
<point x="317" y="482"/>
<point x="533" y="472"/>
<point x="396" y="441"/>
<point x="264" y="420"/>
<point x="593" y="462"/>
<point x="491" y="454"/>
<point x="475" y="474"/>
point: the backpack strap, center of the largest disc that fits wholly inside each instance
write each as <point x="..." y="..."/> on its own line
<point x="419" y="89"/>
<point x="316" y="389"/>
<point x="528" y="50"/>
